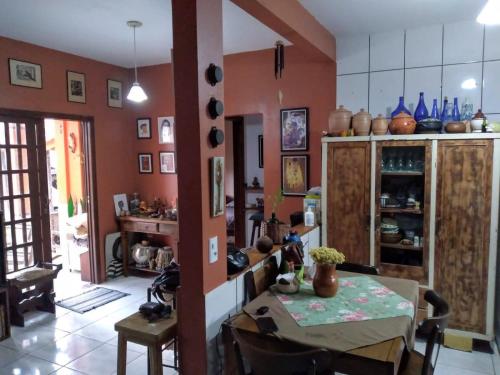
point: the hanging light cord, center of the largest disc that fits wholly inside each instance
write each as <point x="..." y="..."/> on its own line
<point x="135" y="58"/>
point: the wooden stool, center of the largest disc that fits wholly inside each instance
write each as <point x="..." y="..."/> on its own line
<point x="154" y="335"/>
<point x="38" y="286"/>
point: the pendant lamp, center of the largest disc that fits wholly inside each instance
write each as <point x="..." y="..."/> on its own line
<point x="136" y="93"/>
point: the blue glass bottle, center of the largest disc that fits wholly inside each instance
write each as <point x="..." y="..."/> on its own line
<point x="401" y="108"/>
<point x="421" y="112"/>
<point x="435" y="110"/>
<point x="455" y="115"/>
<point x="444" y="117"/>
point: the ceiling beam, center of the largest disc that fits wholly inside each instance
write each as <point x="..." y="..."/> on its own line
<point x="292" y="21"/>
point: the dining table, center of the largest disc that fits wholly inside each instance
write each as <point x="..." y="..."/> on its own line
<point x="360" y="342"/>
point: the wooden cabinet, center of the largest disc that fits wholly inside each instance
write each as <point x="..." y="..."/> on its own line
<point x="463" y="206"/>
<point x="459" y="184"/>
<point x="348" y="212"/>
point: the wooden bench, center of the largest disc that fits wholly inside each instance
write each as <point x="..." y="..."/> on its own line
<point x="154" y="335"/>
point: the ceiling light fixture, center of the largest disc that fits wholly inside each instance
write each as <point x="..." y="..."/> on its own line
<point x="136" y="93"/>
<point x="490" y="15"/>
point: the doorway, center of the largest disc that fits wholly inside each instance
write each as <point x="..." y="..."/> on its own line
<point x="42" y="160"/>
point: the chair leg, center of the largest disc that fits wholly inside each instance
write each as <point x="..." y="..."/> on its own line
<point x="122" y="355"/>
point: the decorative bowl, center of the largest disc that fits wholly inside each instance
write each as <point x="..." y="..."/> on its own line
<point x="287" y="283"/>
<point x="391" y="237"/>
<point x="455" y="127"/>
<point x="429" y="126"/>
<point x="402" y="123"/>
<point x="477" y="125"/>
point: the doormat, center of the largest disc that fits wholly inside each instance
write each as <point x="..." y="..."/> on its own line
<point x="91" y="299"/>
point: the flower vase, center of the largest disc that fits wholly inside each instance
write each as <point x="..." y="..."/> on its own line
<point x="325" y="281"/>
<point x="400" y="108"/>
<point x="421" y="112"/>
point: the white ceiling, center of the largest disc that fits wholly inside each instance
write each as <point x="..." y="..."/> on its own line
<point x="97" y="28"/>
<point x="349" y="17"/>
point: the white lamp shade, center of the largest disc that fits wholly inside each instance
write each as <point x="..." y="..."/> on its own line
<point x="136" y="93"/>
<point x="490" y="15"/>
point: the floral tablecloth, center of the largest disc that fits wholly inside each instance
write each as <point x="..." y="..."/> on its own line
<point x="358" y="298"/>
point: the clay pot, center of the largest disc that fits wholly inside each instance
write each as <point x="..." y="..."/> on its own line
<point x="264" y="244"/>
<point x="361" y="122"/>
<point x="402" y="123"/>
<point x="339" y="120"/>
<point x="380" y="125"/>
<point x="455" y="127"/>
<point x="325" y="281"/>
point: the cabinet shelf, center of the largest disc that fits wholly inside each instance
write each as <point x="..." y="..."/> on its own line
<point x="400" y="246"/>
<point x="412" y="173"/>
<point x="401" y="211"/>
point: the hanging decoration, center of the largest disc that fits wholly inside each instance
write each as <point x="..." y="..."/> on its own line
<point x="279" y="59"/>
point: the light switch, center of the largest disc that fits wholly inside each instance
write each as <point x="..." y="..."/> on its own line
<point x="213" y="250"/>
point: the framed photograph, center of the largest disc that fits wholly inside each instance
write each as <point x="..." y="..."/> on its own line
<point x="24" y="73"/>
<point x="146" y="163"/>
<point x="121" y="203"/>
<point x="218" y="199"/>
<point x="76" y="86"/>
<point x="167" y="162"/>
<point x="261" y="151"/>
<point x="294" y="129"/>
<point x="114" y="93"/>
<point x="144" y="128"/>
<point x="294" y="174"/>
<point x="166" y="130"/>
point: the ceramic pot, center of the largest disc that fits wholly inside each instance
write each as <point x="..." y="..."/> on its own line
<point x="361" y="123"/>
<point x="339" y="120"/>
<point x="380" y="125"/>
<point x="402" y="124"/>
<point x="455" y="127"/>
<point x="264" y="244"/>
<point x="325" y="281"/>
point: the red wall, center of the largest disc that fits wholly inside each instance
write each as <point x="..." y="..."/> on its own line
<point x="114" y="127"/>
<point x="250" y="88"/>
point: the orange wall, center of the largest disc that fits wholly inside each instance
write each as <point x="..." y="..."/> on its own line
<point x="250" y="88"/>
<point x="114" y="127"/>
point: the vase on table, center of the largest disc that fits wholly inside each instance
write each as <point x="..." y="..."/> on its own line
<point x="325" y="281"/>
<point x="421" y="112"/>
<point x="400" y="108"/>
<point x="435" y="110"/>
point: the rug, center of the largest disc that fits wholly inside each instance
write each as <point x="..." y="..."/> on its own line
<point x="91" y="299"/>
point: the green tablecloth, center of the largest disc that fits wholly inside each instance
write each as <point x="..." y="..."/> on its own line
<point x="344" y="336"/>
<point x="358" y="298"/>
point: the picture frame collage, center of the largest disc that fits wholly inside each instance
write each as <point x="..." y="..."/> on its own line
<point x="166" y="136"/>
<point x="294" y="138"/>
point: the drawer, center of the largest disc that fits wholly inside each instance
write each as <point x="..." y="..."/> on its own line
<point x="168" y="229"/>
<point x="140" y="226"/>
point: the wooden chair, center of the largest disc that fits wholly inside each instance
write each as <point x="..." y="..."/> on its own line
<point x="272" y="357"/>
<point x="257" y="219"/>
<point x="357" y="268"/>
<point x="433" y="328"/>
<point x="257" y="282"/>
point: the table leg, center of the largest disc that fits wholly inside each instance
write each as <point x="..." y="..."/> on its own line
<point x="155" y="360"/>
<point x="122" y="355"/>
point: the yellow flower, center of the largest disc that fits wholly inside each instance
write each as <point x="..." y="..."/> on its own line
<point x="327" y="255"/>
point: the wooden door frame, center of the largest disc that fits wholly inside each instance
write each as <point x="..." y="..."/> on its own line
<point x="240" y="228"/>
<point x="87" y="123"/>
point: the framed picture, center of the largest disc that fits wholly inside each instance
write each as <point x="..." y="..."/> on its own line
<point x="294" y="129"/>
<point x="167" y="162"/>
<point x="166" y="130"/>
<point x="144" y="128"/>
<point x="218" y="199"/>
<point x="261" y="151"/>
<point x="294" y="174"/>
<point x="114" y="93"/>
<point x="146" y="163"/>
<point x="76" y="86"/>
<point x="24" y="73"/>
<point x="121" y="203"/>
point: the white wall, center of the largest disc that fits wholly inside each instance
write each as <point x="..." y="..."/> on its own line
<point x="374" y="70"/>
<point x="253" y="128"/>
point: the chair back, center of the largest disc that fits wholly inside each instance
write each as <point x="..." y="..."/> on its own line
<point x="434" y="328"/>
<point x="357" y="268"/>
<point x="260" y="280"/>
<point x="268" y="356"/>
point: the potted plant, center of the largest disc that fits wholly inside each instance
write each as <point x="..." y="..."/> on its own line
<point x="325" y="281"/>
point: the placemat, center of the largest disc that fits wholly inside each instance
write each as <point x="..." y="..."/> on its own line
<point x="346" y="336"/>
<point x="358" y="298"/>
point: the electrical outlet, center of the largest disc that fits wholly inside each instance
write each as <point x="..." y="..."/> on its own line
<point x="213" y="250"/>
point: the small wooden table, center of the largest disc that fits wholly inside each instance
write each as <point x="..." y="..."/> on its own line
<point x="154" y="335"/>
<point x="138" y="224"/>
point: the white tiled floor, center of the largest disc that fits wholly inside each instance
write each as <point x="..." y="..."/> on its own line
<point x="77" y="344"/>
